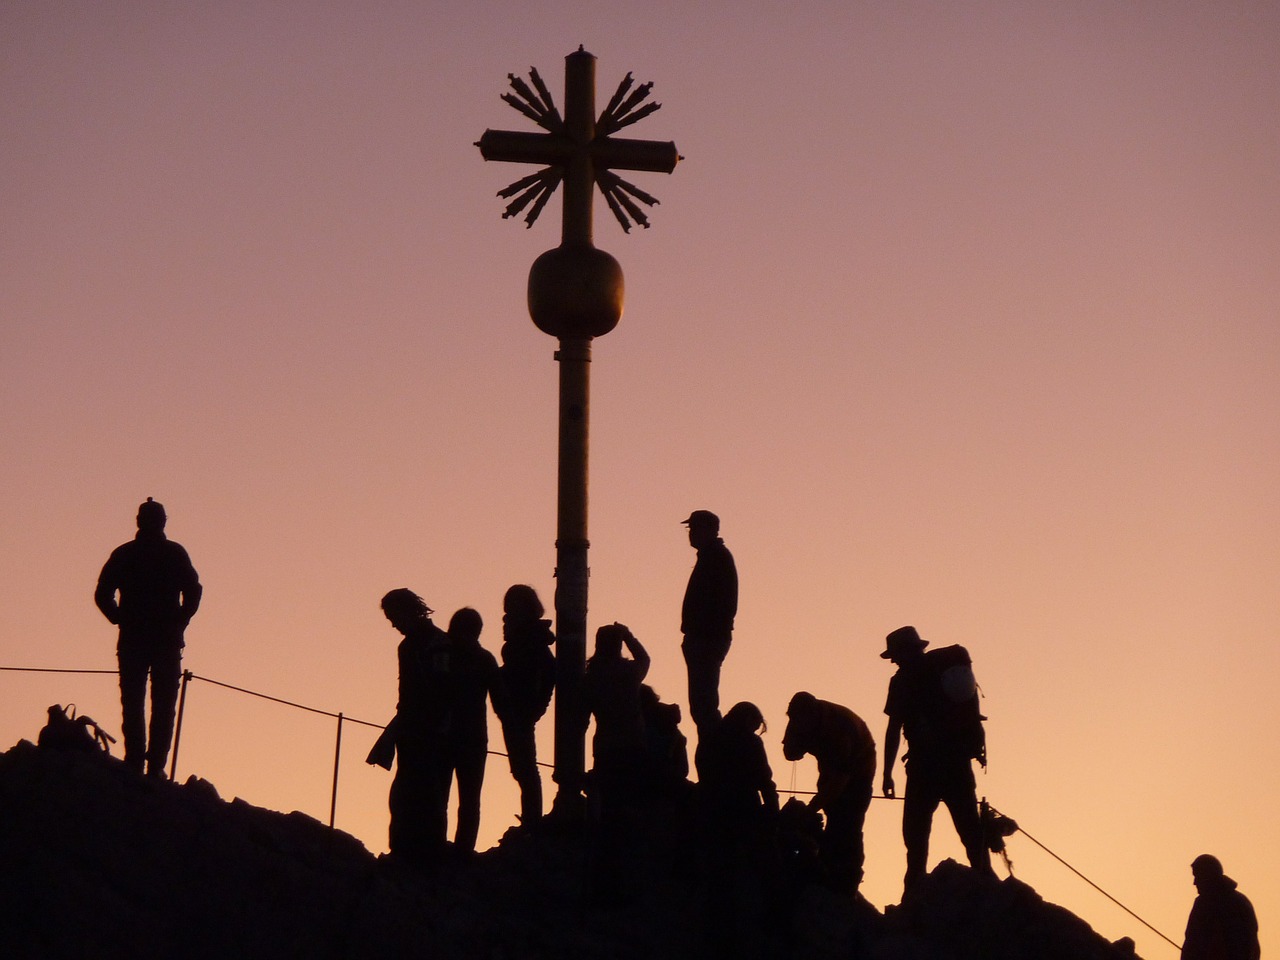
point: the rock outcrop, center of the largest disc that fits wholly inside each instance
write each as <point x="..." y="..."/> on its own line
<point x="98" y="862"/>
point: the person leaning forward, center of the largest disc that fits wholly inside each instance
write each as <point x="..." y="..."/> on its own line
<point x="159" y="592"/>
<point x="417" y="738"/>
<point x="1222" y="924"/>
<point x="938" y="764"/>
<point x="846" y="753"/>
<point x="706" y="617"/>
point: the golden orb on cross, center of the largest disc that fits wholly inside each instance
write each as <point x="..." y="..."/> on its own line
<point x="575" y="292"/>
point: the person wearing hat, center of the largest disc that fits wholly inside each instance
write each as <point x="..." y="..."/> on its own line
<point x="1222" y="924"/>
<point x="150" y="590"/>
<point x="938" y="764"/>
<point x="706" y="617"/>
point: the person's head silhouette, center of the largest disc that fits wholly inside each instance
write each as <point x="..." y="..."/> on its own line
<point x="704" y="528"/>
<point x="521" y="602"/>
<point x="151" y="517"/>
<point x="465" y="626"/>
<point x="404" y="608"/>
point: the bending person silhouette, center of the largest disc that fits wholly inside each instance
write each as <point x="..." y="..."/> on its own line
<point x="159" y="592"/>
<point x="940" y="720"/>
<point x="475" y="679"/>
<point x="1222" y="924"/>
<point x="417" y="736"/>
<point x="846" y="754"/>
<point x="528" y="676"/>
<point x="706" y="617"/>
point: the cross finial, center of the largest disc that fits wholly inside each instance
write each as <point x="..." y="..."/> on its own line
<point x="579" y="149"/>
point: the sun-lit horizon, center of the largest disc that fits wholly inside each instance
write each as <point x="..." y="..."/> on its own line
<point x="962" y="317"/>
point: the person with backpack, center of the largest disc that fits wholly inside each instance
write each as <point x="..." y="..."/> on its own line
<point x="933" y="702"/>
<point x="528" y="675"/>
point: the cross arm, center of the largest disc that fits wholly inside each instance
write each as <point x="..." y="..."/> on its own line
<point x="655" y="156"/>
<point x="517" y="147"/>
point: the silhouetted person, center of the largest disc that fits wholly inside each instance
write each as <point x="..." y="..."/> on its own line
<point x="418" y="735"/>
<point x="846" y="754"/>
<point x="666" y="749"/>
<point x="528" y="675"/>
<point x="475" y="680"/>
<point x="159" y="592"/>
<point x="1222" y="924"/>
<point x="612" y="686"/>
<point x="735" y="782"/>
<point x="738" y="810"/>
<point x="944" y="733"/>
<point x="706" y="617"/>
<point x="616" y="784"/>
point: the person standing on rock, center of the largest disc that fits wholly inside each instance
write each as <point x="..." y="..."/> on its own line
<point x="933" y="702"/>
<point x="1222" y="924"/>
<point x="475" y="681"/>
<point x="528" y="675"/>
<point x="417" y="738"/>
<point x="706" y="617"/>
<point x="150" y="590"/>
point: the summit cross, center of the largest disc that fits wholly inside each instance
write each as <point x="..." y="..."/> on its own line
<point x="575" y="294"/>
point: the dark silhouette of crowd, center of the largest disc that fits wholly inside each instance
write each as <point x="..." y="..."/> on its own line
<point x="743" y="839"/>
<point x="745" y="845"/>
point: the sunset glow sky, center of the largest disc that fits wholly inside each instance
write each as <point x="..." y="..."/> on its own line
<point x="959" y="315"/>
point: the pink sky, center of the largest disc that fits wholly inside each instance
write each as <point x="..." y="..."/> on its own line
<point x="958" y="315"/>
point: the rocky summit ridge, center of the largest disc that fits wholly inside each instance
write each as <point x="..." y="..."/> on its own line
<point x="97" y="862"/>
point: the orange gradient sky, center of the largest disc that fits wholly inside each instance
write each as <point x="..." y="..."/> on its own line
<point x="960" y="315"/>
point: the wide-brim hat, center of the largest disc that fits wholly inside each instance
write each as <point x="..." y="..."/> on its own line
<point x="904" y="638"/>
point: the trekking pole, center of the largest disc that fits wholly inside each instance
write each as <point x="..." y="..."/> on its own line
<point x="177" y="731"/>
<point x="337" y="755"/>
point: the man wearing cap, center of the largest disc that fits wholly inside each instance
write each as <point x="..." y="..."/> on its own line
<point x="938" y="764"/>
<point x="706" y="618"/>
<point x="159" y="592"/>
<point x="1222" y="924"/>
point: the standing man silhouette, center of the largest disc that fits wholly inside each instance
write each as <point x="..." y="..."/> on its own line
<point x="706" y="618"/>
<point x="159" y="593"/>
<point x="416" y="739"/>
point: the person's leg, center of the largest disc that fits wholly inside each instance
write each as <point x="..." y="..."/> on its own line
<point x="470" y="771"/>
<point x="133" y="701"/>
<point x="166" y="678"/>
<point x="522" y="754"/>
<point x="704" y="686"/>
<point x="918" y="806"/>
<point x="961" y="799"/>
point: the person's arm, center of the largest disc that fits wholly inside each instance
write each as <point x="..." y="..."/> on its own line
<point x="192" y="591"/>
<point x="892" y="735"/>
<point x="104" y="595"/>
<point x="768" y="789"/>
<point x="638" y="653"/>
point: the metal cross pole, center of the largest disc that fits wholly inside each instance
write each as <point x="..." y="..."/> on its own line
<point x="575" y="294"/>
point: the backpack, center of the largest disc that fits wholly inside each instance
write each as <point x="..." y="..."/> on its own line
<point x="66" y="731"/>
<point x="956" y="693"/>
